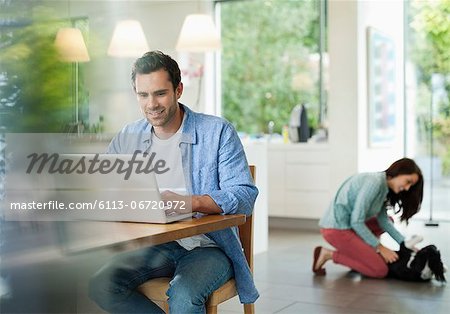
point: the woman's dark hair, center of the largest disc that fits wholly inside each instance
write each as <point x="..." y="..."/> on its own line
<point x="153" y="61"/>
<point x="408" y="201"/>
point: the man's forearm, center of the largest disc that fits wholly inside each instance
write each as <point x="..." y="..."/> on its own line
<point x="205" y="204"/>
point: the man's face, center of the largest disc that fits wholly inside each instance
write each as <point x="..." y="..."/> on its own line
<point x="157" y="99"/>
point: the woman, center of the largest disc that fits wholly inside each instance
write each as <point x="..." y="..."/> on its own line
<point x="357" y="217"/>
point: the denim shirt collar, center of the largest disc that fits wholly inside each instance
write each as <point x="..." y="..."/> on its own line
<point x="189" y="135"/>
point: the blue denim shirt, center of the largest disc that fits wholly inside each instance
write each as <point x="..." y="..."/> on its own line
<point x="214" y="163"/>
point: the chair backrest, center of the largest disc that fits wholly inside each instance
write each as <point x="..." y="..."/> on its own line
<point x="246" y="231"/>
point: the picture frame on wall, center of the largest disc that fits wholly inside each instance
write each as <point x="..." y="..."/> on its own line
<point x="381" y="88"/>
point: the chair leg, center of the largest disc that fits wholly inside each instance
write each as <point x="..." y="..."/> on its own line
<point x="249" y="308"/>
<point x="166" y="307"/>
<point x="211" y="309"/>
<point x="162" y="305"/>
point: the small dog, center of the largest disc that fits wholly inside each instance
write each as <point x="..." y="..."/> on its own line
<point x="417" y="266"/>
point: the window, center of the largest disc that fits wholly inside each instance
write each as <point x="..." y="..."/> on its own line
<point x="427" y="100"/>
<point x="272" y="59"/>
<point x="36" y="90"/>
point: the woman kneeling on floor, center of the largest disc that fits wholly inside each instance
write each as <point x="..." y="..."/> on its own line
<point x="358" y="216"/>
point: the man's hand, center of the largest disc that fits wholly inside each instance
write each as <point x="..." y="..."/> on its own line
<point x="193" y="203"/>
<point x="388" y="255"/>
<point x="176" y="203"/>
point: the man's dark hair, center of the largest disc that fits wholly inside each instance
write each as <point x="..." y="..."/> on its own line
<point x="153" y="61"/>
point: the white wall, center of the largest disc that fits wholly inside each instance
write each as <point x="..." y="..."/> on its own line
<point x="348" y="100"/>
<point x="343" y="83"/>
<point x="387" y="17"/>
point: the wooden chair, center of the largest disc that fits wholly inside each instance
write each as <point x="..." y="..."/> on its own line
<point x="155" y="289"/>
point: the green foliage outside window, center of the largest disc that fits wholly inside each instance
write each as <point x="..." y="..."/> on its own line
<point x="429" y="50"/>
<point x="35" y="88"/>
<point x="269" y="62"/>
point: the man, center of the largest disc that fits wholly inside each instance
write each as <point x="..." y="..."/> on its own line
<point x="217" y="178"/>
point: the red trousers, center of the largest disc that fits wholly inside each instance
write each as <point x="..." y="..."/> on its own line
<point x="353" y="252"/>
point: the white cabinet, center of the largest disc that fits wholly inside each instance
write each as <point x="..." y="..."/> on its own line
<point x="298" y="180"/>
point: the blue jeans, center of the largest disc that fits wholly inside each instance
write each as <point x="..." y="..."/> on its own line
<point x="196" y="274"/>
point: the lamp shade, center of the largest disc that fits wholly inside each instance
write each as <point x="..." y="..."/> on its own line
<point x="128" y="40"/>
<point x="198" y="34"/>
<point x="70" y="45"/>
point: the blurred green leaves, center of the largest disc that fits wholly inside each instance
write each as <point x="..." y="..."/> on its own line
<point x="35" y="88"/>
<point x="266" y="62"/>
<point x="430" y="22"/>
<point x="429" y="49"/>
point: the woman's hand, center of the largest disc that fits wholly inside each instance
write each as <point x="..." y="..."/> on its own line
<point x="388" y="255"/>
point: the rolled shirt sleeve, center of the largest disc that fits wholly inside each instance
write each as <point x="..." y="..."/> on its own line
<point x="236" y="193"/>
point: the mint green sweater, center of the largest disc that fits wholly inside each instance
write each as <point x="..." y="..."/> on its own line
<point x="360" y="197"/>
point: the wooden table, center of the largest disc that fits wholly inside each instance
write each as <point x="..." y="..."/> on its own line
<point x="93" y="235"/>
<point x="86" y="236"/>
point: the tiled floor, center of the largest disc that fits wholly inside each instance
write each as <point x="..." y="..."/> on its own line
<point x="283" y="276"/>
<point x="286" y="284"/>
